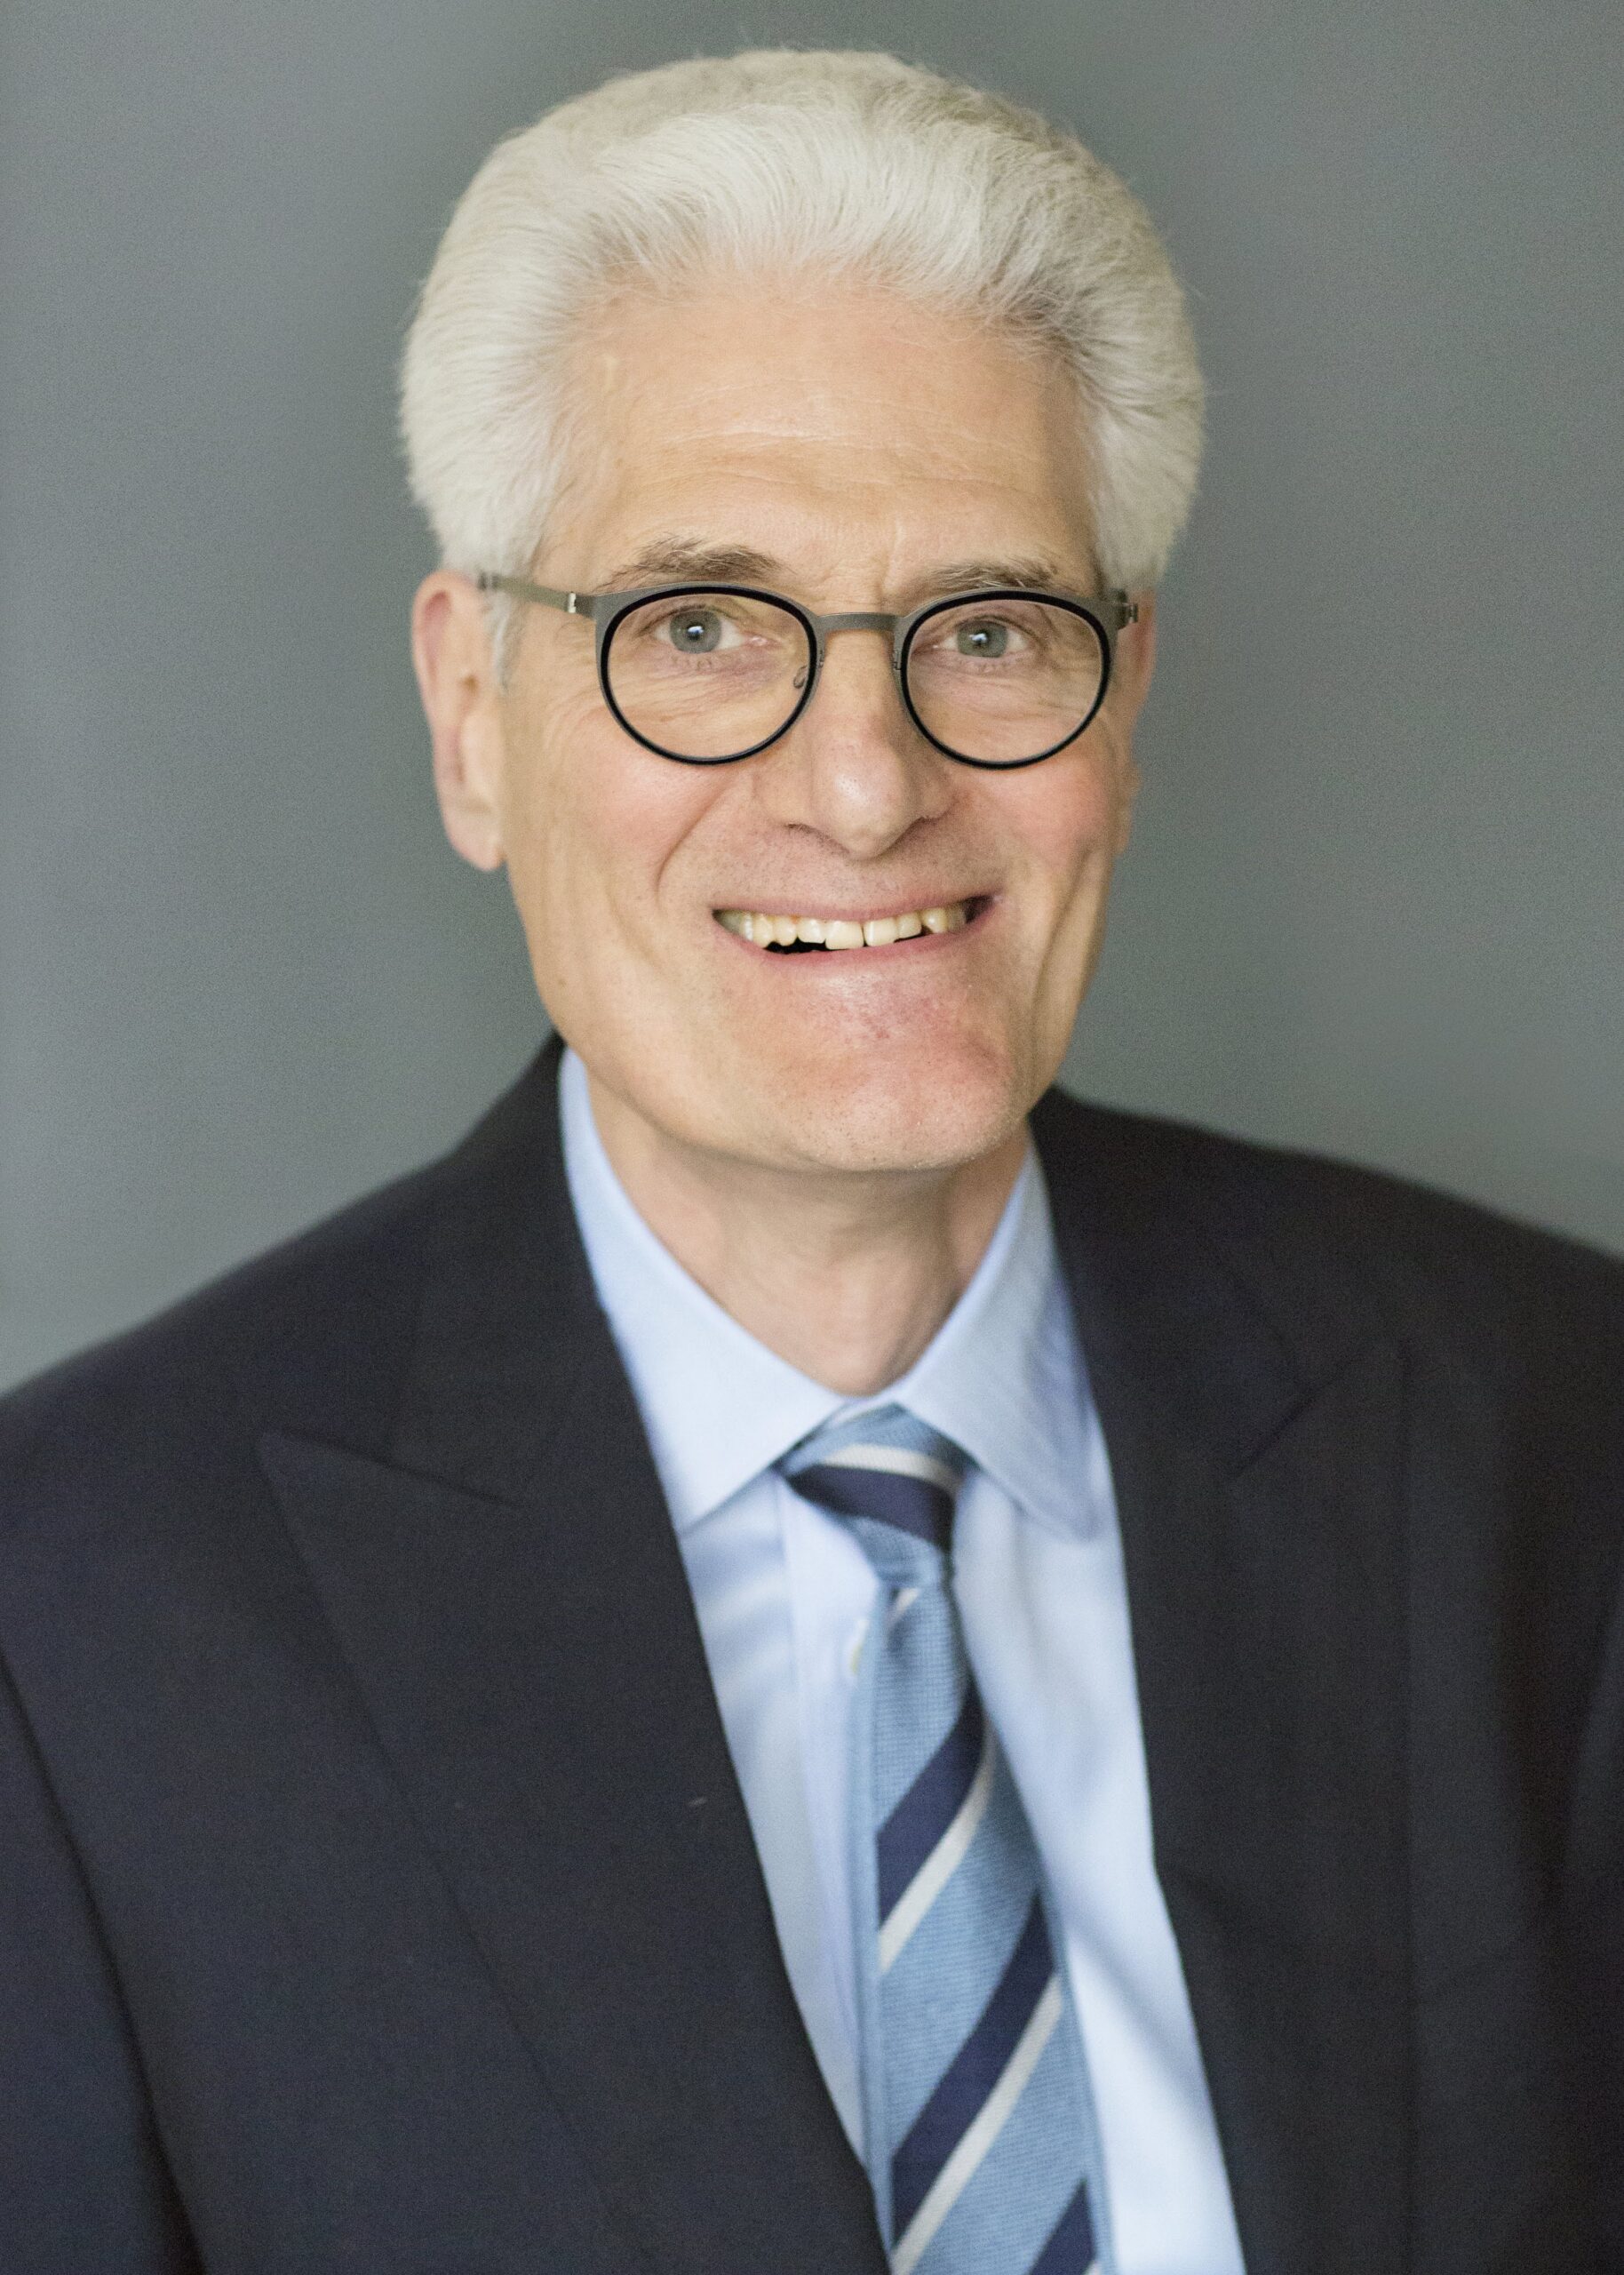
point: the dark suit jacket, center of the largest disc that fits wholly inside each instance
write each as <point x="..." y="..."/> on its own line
<point x="375" y="1890"/>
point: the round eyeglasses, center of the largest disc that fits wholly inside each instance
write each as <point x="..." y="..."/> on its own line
<point x="710" y="673"/>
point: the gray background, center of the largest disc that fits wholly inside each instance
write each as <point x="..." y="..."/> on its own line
<point x="1375" y="902"/>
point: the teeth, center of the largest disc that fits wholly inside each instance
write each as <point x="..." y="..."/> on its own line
<point x="765" y="930"/>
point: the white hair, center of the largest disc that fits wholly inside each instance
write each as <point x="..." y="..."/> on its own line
<point x="773" y="162"/>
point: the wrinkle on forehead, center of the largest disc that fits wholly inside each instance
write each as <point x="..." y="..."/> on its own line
<point x="839" y="418"/>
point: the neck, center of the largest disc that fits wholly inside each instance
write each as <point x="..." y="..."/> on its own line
<point x="847" y="1276"/>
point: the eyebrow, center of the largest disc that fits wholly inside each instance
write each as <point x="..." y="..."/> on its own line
<point x="683" y="561"/>
<point x="1037" y="571"/>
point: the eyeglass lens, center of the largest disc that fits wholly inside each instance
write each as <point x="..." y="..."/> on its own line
<point x="714" y="675"/>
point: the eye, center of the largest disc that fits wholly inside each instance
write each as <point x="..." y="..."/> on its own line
<point x="984" y="637"/>
<point x="697" y="631"/>
<point x="1007" y="633"/>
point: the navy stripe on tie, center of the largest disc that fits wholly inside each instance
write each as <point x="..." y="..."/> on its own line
<point x="911" y="1503"/>
<point x="929" y="1806"/>
<point x="1069" y="2250"/>
<point x="973" y="2072"/>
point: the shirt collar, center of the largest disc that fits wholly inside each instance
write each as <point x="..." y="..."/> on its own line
<point x="1003" y="1375"/>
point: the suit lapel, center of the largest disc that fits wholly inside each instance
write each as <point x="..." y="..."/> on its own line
<point x="1259" y="1494"/>
<point x="508" y="1592"/>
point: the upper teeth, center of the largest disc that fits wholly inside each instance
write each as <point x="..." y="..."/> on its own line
<point x="840" y="931"/>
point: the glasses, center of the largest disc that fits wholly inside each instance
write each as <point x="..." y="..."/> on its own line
<point x="710" y="673"/>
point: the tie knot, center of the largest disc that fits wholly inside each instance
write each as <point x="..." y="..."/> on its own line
<point x="895" y="1479"/>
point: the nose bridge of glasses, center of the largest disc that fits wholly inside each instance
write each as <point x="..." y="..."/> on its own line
<point x="860" y="619"/>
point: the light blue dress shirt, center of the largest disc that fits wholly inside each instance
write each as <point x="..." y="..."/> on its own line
<point x="783" y="1596"/>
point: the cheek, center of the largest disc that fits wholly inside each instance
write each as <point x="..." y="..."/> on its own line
<point x="1067" y="816"/>
<point x="591" y="824"/>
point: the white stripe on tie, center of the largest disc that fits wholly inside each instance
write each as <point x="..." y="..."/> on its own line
<point x="896" y="1461"/>
<point x="960" y="2168"/>
<point x="943" y="1860"/>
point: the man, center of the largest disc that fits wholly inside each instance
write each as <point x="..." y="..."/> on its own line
<point x="807" y="1653"/>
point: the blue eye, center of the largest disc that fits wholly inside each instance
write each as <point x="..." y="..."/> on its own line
<point x="695" y="632"/>
<point x="982" y="638"/>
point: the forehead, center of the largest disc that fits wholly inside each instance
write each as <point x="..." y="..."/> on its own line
<point x="841" y="428"/>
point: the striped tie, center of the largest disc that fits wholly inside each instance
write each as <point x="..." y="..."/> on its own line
<point x="976" y="2100"/>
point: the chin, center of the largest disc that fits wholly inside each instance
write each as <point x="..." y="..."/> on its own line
<point x="898" y="1111"/>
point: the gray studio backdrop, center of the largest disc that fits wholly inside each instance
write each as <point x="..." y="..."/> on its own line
<point x="1374" y="904"/>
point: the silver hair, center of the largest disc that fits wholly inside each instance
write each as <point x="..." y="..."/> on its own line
<point x="778" y="161"/>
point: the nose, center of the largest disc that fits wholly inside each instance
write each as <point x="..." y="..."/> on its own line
<point x="853" y="767"/>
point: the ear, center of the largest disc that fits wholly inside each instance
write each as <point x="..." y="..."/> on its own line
<point x="1132" y="667"/>
<point x="1134" y="662"/>
<point x="451" y="654"/>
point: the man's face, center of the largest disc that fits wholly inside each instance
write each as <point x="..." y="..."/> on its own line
<point x="853" y="451"/>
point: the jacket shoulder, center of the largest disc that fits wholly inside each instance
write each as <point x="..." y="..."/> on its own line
<point x="1331" y="1250"/>
<point x="315" y="1333"/>
<point x="320" y="1321"/>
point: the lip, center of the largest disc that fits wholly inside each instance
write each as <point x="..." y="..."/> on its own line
<point x="858" y="915"/>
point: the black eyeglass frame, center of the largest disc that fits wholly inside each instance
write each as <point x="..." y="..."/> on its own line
<point x="1106" y="612"/>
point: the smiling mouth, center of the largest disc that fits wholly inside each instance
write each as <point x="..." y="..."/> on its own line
<point x="795" y="935"/>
